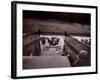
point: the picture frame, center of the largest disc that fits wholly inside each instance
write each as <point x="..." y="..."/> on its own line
<point x="57" y="21"/>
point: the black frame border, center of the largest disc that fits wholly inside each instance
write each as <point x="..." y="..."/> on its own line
<point x="14" y="40"/>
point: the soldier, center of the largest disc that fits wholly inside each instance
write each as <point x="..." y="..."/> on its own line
<point x="82" y="59"/>
<point x="43" y="41"/>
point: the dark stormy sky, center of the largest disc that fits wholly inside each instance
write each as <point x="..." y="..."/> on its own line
<point x="81" y="18"/>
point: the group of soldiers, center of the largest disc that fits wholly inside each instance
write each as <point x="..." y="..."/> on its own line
<point x="86" y="41"/>
<point x="53" y="41"/>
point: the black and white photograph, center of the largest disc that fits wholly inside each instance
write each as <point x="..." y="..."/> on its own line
<point x="53" y="39"/>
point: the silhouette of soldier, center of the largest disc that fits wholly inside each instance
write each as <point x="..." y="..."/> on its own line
<point x="43" y="41"/>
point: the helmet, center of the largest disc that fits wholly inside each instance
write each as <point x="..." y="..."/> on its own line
<point x="83" y="54"/>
